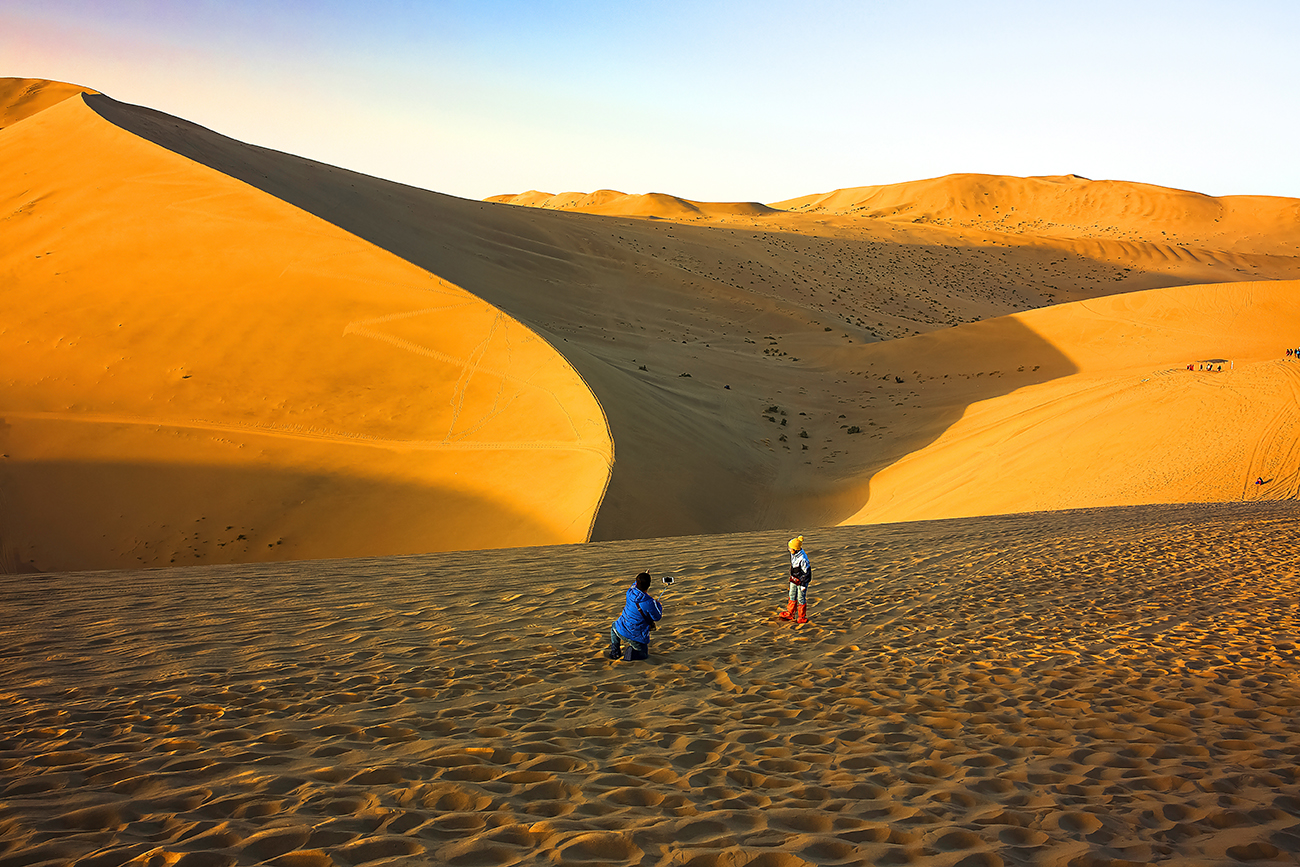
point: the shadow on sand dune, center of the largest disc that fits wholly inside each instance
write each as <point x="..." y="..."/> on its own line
<point x="249" y="514"/>
<point x="693" y="454"/>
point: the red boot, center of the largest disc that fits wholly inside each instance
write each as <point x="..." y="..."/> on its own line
<point x="788" y="613"/>
<point x="803" y="614"/>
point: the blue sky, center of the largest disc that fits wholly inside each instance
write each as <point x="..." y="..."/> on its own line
<point x="715" y="101"/>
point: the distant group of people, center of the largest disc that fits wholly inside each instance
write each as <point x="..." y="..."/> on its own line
<point x="629" y="636"/>
<point x="1204" y="366"/>
<point x="1293" y="353"/>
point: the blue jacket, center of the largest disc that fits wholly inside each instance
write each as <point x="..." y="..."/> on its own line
<point x="638" y="612"/>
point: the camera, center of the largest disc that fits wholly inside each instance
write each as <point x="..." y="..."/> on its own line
<point x="668" y="579"/>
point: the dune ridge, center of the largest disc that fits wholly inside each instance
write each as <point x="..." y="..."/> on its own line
<point x="1101" y="687"/>
<point x="615" y="203"/>
<point x="710" y="373"/>
<point x="196" y="371"/>
<point x="23" y="97"/>
<point x="1073" y="206"/>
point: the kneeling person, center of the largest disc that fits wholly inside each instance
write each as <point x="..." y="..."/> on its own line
<point x="632" y="628"/>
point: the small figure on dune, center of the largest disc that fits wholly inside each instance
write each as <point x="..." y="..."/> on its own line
<point x="800" y="578"/>
<point x="1259" y="480"/>
<point x="633" y="626"/>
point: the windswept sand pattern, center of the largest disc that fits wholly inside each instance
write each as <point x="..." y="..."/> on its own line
<point x="1101" y="687"/>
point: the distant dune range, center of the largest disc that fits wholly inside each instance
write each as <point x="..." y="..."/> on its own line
<point x="214" y="352"/>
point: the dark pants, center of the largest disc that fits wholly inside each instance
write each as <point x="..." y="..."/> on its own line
<point x="634" y="649"/>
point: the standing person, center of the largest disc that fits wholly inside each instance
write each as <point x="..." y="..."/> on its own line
<point x="640" y="611"/>
<point x="800" y="578"/>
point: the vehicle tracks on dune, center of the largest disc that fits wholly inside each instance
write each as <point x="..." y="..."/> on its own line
<point x="1277" y="450"/>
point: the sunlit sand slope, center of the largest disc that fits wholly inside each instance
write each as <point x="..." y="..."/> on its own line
<point x="1111" y="687"/>
<point x="194" y="371"/>
<point x="1073" y="207"/>
<point x="743" y="357"/>
<point x="690" y="331"/>
<point x="23" y="97"/>
<point x="660" y="205"/>
<point x="1181" y="395"/>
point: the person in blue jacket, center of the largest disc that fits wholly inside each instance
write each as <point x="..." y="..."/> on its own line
<point x="640" y="612"/>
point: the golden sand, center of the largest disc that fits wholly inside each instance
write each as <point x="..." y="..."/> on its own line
<point x="197" y="372"/>
<point x="1101" y="687"/>
<point x="213" y="356"/>
<point x="215" y="353"/>
<point x="23" y="97"/>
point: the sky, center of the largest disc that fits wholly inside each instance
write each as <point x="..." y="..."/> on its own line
<point x="711" y="100"/>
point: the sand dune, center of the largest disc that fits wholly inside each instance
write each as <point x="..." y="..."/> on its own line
<point x="1071" y="206"/>
<point x="317" y="363"/>
<point x="214" y="353"/>
<point x="612" y="202"/>
<point x="195" y="371"/>
<point x="1132" y="425"/>
<point x="1086" y="688"/>
<point x="23" y="97"/>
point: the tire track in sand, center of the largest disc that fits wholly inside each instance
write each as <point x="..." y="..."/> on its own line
<point x="1277" y="449"/>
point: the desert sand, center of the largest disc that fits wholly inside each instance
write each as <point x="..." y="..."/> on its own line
<point x="24" y="97"/>
<point x="194" y="371"/>
<point x="1019" y="421"/>
<point x="1101" y="687"/>
<point x="218" y="353"/>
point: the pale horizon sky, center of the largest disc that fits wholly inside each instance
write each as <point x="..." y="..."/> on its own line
<point x="713" y="101"/>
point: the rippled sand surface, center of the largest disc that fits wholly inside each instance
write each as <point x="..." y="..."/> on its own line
<point x="1076" y="688"/>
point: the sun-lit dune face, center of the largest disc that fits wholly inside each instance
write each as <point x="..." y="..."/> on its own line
<point x="23" y="97"/>
<point x="1184" y="394"/>
<point x="1073" y="207"/>
<point x="690" y="330"/>
<point x="423" y="372"/>
<point x="195" y="371"/>
<point x="616" y="204"/>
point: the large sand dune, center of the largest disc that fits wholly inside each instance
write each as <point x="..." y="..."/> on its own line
<point x="330" y="364"/>
<point x="659" y="205"/>
<point x="1114" y="687"/>
<point x="1075" y="207"/>
<point x="1179" y="395"/>
<point x="213" y="354"/>
<point x="195" y="371"/>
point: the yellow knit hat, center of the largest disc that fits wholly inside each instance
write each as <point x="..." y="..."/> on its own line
<point x="796" y="544"/>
